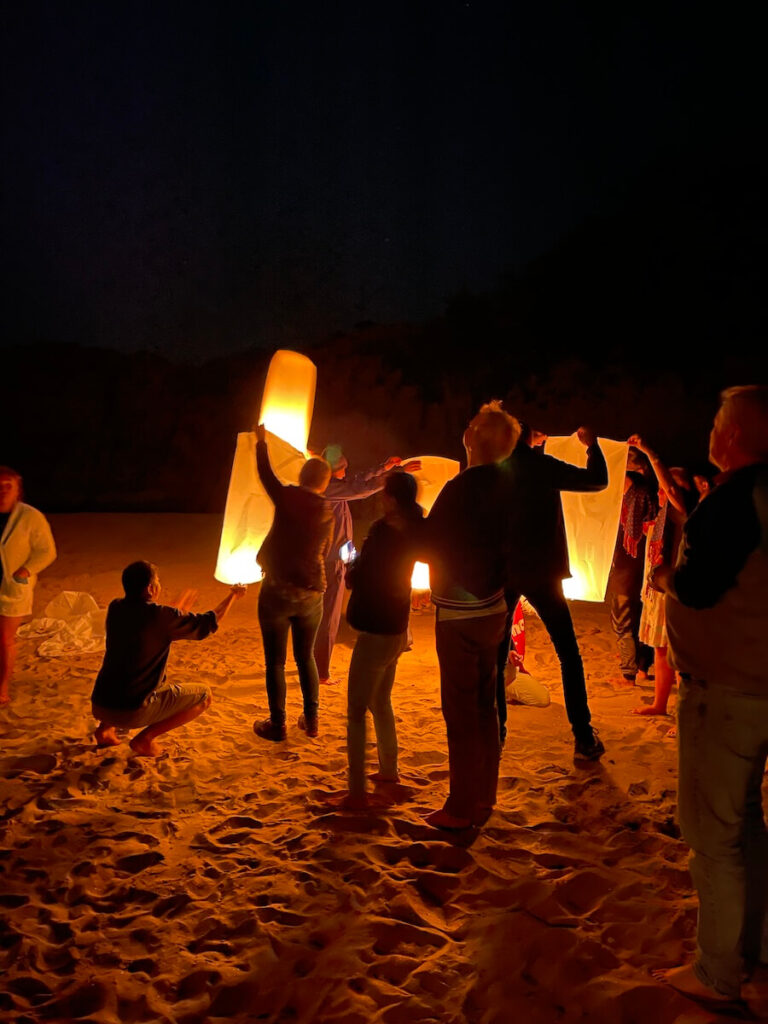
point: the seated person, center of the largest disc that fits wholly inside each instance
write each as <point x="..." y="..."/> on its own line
<point x="130" y="690"/>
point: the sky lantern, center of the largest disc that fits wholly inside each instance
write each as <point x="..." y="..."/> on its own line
<point x="286" y="411"/>
<point x="434" y="474"/>
<point x="289" y="397"/>
<point x="591" y="520"/>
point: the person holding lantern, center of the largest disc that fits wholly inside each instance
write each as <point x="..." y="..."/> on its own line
<point x="538" y="563"/>
<point x="26" y="548"/>
<point x="293" y="558"/>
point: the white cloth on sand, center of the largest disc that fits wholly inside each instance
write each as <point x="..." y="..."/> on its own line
<point x="73" y="624"/>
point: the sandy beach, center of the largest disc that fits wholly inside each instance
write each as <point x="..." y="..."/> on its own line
<point x="215" y="883"/>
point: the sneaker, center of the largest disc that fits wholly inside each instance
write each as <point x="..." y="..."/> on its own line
<point x="269" y="730"/>
<point x="310" y="728"/>
<point x="589" y="747"/>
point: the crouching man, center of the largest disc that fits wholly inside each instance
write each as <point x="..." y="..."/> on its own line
<point x="130" y="690"/>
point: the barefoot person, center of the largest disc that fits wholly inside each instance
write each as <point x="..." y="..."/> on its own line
<point x="26" y="548"/>
<point x="677" y="498"/>
<point x="717" y="620"/>
<point x="380" y="580"/>
<point x="292" y="558"/>
<point x="466" y="547"/>
<point x="130" y="690"/>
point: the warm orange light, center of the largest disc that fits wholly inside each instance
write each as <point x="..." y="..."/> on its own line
<point x="286" y="411"/>
<point x="434" y="474"/>
<point x="289" y="397"/>
<point x="591" y="520"/>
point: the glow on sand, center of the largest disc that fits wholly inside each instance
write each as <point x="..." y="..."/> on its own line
<point x="286" y="411"/>
<point x="591" y="520"/>
<point x="435" y="472"/>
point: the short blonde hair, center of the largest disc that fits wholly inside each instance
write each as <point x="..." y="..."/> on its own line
<point x="746" y="408"/>
<point x="493" y="433"/>
<point x="315" y="474"/>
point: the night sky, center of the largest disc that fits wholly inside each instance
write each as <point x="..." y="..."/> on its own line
<point x="201" y="178"/>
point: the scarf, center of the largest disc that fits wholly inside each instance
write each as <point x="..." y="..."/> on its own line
<point x="637" y="508"/>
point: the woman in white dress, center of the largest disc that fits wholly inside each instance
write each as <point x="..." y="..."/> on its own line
<point x="26" y="548"/>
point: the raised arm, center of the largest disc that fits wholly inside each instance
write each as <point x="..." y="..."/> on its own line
<point x="666" y="481"/>
<point x="271" y="484"/>
<point x="563" y="476"/>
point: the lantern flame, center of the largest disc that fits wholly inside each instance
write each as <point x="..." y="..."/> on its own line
<point x="420" y="576"/>
<point x="434" y="474"/>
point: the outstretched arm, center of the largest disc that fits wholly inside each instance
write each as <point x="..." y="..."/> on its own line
<point x="592" y="477"/>
<point x="272" y="485"/>
<point x="223" y="607"/>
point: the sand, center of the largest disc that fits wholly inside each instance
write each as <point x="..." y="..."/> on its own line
<point x="216" y="884"/>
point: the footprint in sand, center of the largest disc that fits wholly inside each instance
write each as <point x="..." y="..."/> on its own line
<point x="139" y="862"/>
<point x="41" y="764"/>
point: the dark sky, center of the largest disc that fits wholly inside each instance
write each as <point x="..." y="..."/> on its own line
<point x="202" y="177"/>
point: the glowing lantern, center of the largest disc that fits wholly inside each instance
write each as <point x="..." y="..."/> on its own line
<point x="286" y="411"/>
<point x="289" y="397"/>
<point x="434" y="474"/>
<point x="591" y="520"/>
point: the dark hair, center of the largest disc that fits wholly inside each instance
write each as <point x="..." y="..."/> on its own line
<point x="137" y="577"/>
<point x="403" y="488"/>
<point x="7" y="471"/>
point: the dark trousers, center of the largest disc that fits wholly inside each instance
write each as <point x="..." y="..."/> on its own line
<point x="333" y="599"/>
<point x="634" y="656"/>
<point x="466" y="652"/>
<point x="550" y="604"/>
<point x="298" y="614"/>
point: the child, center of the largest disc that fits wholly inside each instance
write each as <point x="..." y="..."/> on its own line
<point x="130" y="690"/>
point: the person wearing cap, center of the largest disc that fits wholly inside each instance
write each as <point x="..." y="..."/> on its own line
<point x="340" y="491"/>
<point x="26" y="548"/>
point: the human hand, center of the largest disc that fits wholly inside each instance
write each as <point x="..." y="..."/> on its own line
<point x="412" y="466"/>
<point x="587" y="436"/>
<point x="392" y="461"/>
<point x="660" y="578"/>
<point x="238" y="590"/>
<point x="538" y="437"/>
<point x="261" y="432"/>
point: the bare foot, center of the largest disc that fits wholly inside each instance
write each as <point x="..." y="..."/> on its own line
<point x="641" y="677"/>
<point x="622" y="681"/>
<point x="328" y="681"/>
<point x="442" y="819"/>
<point x="381" y="777"/>
<point x="106" y="736"/>
<point x="684" y="980"/>
<point x="145" y="748"/>
<point x="649" y="709"/>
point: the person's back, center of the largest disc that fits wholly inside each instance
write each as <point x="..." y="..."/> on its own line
<point x="466" y="538"/>
<point x="130" y="691"/>
<point x="380" y="579"/>
<point x="139" y="638"/>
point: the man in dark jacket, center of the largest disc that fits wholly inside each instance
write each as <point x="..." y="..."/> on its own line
<point x="537" y="564"/>
<point x="466" y="536"/>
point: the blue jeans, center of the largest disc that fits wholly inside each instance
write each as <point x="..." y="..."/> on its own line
<point x="283" y="610"/>
<point x="371" y="677"/>
<point x="723" y="746"/>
